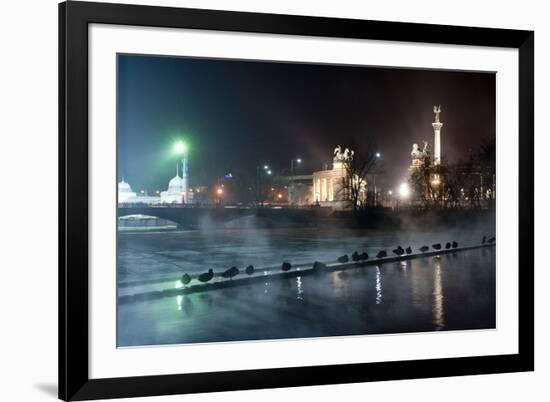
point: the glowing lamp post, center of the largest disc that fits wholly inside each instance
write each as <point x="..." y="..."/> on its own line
<point x="260" y="172"/>
<point x="404" y="191"/>
<point x="377" y="155"/>
<point x="291" y="186"/>
<point x="219" y="195"/>
<point x="180" y="149"/>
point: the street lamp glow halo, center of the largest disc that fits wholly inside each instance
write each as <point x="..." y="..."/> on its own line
<point x="180" y="147"/>
<point x="404" y="190"/>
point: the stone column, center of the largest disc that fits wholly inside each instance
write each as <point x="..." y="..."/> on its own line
<point x="437" y="136"/>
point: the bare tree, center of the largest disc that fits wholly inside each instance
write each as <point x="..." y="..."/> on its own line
<point x="357" y="167"/>
<point x="420" y="183"/>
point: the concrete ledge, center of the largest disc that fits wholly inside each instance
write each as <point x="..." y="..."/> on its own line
<point x="301" y="270"/>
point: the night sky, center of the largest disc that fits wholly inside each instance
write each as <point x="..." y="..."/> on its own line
<point x="236" y="115"/>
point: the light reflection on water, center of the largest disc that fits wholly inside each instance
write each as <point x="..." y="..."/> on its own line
<point x="404" y="265"/>
<point x="299" y="289"/>
<point x="438" y="312"/>
<point x="427" y="294"/>
<point x="378" y="286"/>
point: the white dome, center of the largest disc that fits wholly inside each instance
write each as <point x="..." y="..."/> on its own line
<point x="124" y="187"/>
<point x="176" y="182"/>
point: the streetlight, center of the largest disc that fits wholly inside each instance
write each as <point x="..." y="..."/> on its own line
<point x="291" y="187"/>
<point x="259" y="176"/>
<point x="180" y="148"/>
<point x="404" y="193"/>
<point x="404" y="190"/>
<point x="390" y="199"/>
<point x="377" y="155"/>
<point x="219" y="194"/>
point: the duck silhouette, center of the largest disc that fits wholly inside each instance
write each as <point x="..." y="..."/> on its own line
<point x="343" y="258"/>
<point x="447" y="245"/>
<point x="424" y="249"/>
<point x="286" y="266"/>
<point x="399" y="251"/>
<point x="381" y="254"/>
<point x="319" y="266"/>
<point x="230" y="273"/>
<point x="455" y="244"/>
<point x="409" y="250"/>
<point x="491" y="240"/>
<point x="483" y="239"/>
<point x="249" y="270"/>
<point x="185" y="279"/>
<point x="207" y="276"/>
<point x="437" y="246"/>
<point x="355" y="256"/>
<point x="364" y="256"/>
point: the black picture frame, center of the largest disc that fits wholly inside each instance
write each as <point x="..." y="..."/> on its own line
<point x="74" y="381"/>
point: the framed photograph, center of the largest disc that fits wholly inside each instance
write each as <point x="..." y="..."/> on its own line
<point x="257" y="201"/>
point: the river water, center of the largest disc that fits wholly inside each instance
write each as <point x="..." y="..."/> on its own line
<point x="453" y="292"/>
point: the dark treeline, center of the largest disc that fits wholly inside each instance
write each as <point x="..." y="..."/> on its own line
<point x="469" y="183"/>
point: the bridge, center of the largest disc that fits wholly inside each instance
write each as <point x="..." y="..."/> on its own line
<point x="194" y="216"/>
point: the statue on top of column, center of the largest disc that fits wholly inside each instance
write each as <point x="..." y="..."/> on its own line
<point x="437" y="110"/>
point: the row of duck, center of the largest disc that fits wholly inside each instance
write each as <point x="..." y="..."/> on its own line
<point x="355" y="257"/>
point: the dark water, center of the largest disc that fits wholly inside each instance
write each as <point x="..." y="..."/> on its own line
<point x="145" y="257"/>
<point x="453" y="292"/>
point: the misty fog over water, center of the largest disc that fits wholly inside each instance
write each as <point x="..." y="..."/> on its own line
<point x="455" y="291"/>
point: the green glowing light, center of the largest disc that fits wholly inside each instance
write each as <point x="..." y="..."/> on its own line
<point x="180" y="147"/>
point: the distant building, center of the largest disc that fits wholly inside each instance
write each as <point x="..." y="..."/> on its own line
<point x="175" y="193"/>
<point x="127" y="196"/>
<point x="124" y="191"/>
<point x="300" y="190"/>
<point x="330" y="187"/>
